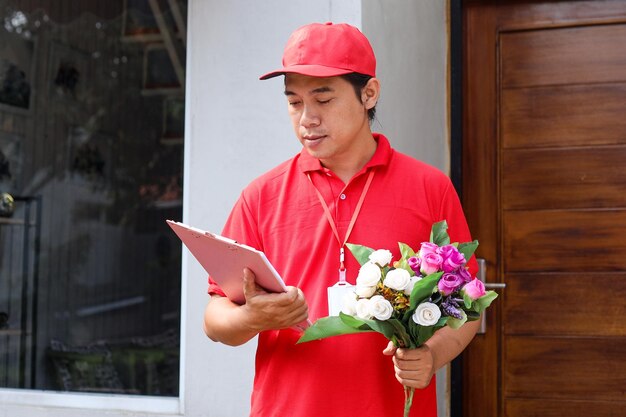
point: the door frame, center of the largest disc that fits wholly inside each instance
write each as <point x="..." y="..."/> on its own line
<point x="455" y="13"/>
<point x="482" y="166"/>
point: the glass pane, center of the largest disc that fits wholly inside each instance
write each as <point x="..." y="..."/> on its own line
<point x="91" y="141"/>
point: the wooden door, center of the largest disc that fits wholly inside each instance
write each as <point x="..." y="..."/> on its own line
<point x="544" y="189"/>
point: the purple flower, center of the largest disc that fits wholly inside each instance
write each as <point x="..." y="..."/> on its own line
<point x="451" y="308"/>
<point x="464" y="273"/>
<point x="414" y="262"/>
<point x="452" y="258"/>
<point x="449" y="283"/>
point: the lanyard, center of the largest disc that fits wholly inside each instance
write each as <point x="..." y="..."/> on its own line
<point x="329" y="217"/>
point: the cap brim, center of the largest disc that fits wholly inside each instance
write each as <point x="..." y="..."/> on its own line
<point x="310" y="70"/>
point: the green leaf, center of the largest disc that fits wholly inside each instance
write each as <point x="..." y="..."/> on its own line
<point x="468" y="249"/>
<point x="484" y="301"/>
<point x="443" y="320"/>
<point x="436" y="297"/>
<point x="456" y="323"/>
<point x="403" y="264"/>
<point x="439" y="233"/>
<point x="407" y="316"/>
<point x="360" y="252"/>
<point x="405" y="250"/>
<point x="472" y="315"/>
<point x="467" y="300"/>
<point x="327" y="327"/>
<point x="423" y="289"/>
<point x="355" y="322"/>
<point x="414" y="330"/>
<point x="425" y="333"/>
<point x="392" y="329"/>
<point x="421" y="334"/>
<point x="402" y="334"/>
<point x="384" y="327"/>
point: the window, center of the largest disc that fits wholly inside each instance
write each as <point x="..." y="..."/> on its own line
<point x="91" y="148"/>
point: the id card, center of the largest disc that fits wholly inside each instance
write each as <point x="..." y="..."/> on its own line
<point x="336" y="297"/>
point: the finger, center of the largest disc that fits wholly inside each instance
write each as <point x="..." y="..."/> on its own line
<point x="411" y="363"/>
<point x="298" y="318"/>
<point x="407" y="372"/>
<point x="292" y="298"/>
<point x="390" y="350"/>
<point x="415" y="381"/>
<point x="410" y="354"/>
<point x="412" y="383"/>
<point x="290" y="318"/>
<point x="250" y="287"/>
<point x="299" y="312"/>
<point x="291" y="295"/>
<point x="300" y="299"/>
<point x="410" y="373"/>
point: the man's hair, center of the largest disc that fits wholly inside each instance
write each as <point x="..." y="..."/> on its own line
<point x="359" y="81"/>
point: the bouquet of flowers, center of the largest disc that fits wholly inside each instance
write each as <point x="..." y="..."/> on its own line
<point x="410" y="299"/>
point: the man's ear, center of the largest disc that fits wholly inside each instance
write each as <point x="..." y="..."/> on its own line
<point x="370" y="93"/>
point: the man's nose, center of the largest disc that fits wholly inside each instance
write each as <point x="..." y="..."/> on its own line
<point x="309" y="117"/>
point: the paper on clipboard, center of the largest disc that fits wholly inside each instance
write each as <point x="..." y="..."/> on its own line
<point x="224" y="260"/>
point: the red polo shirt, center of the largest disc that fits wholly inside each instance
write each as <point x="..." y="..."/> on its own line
<point x="280" y="214"/>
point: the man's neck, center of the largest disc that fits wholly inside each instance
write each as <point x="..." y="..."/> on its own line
<point x="346" y="168"/>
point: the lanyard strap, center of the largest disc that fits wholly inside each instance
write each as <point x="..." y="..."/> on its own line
<point x="331" y="221"/>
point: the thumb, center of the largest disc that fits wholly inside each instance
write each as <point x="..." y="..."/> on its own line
<point x="390" y="350"/>
<point x="250" y="287"/>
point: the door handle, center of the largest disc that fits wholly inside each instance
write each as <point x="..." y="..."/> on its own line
<point x="482" y="275"/>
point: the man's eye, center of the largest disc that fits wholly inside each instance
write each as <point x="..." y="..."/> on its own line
<point x="324" y="101"/>
<point x="294" y="103"/>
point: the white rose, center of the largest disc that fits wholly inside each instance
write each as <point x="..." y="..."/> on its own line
<point x="426" y="314"/>
<point x="364" y="291"/>
<point x="382" y="257"/>
<point x="369" y="275"/>
<point x="380" y="308"/>
<point x="349" y="304"/>
<point x="409" y="288"/>
<point x="397" y="279"/>
<point x="363" y="309"/>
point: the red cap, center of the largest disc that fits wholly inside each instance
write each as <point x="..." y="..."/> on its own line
<point x="327" y="50"/>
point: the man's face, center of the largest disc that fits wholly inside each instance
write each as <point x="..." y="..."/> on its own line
<point x="328" y="118"/>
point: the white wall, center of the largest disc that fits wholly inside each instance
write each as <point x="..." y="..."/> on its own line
<point x="411" y="44"/>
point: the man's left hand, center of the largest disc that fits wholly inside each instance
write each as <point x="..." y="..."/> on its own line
<point x="414" y="367"/>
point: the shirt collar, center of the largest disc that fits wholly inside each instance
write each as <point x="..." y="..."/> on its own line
<point x="307" y="163"/>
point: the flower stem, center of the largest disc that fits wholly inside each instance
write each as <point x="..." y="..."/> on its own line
<point x="408" y="400"/>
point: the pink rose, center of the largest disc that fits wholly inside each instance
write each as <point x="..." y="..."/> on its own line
<point x="452" y="258"/>
<point x="449" y="283"/>
<point x="426" y="248"/>
<point x="431" y="263"/>
<point x="474" y="289"/>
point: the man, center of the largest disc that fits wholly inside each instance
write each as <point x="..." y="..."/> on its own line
<point x="347" y="184"/>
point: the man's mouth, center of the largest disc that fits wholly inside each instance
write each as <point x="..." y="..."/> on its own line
<point x="313" y="138"/>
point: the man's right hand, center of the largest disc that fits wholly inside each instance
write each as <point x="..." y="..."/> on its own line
<point x="270" y="311"/>
<point x="234" y="324"/>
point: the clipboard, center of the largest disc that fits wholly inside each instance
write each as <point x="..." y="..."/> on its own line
<point x="224" y="260"/>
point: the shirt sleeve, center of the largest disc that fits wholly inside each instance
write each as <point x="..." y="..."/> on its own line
<point x="241" y="226"/>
